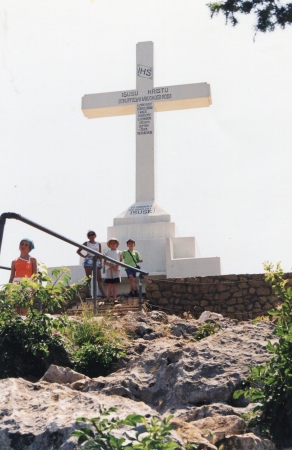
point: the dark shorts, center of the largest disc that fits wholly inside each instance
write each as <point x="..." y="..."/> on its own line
<point x="112" y="280"/>
<point x="131" y="272"/>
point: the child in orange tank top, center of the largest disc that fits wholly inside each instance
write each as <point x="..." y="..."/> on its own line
<point x="25" y="265"/>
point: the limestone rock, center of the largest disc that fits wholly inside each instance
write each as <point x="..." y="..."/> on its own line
<point x="165" y="371"/>
<point x="247" y="441"/>
<point x="179" y="327"/>
<point x="159" y="316"/>
<point x="222" y="424"/>
<point x="172" y="375"/>
<point x="41" y="416"/>
<point x="191" y="434"/>
<point x="195" y="413"/>
<point x="208" y="315"/>
<point x="62" y="375"/>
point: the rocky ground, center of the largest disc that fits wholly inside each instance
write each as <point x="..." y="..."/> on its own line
<point x="165" y="371"/>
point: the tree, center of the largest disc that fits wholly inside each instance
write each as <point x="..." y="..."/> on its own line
<point x="269" y="385"/>
<point x="269" y="13"/>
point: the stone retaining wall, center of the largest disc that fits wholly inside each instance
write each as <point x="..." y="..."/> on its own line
<point x="239" y="297"/>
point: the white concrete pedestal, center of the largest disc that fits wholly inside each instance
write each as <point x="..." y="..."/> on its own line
<point x="164" y="254"/>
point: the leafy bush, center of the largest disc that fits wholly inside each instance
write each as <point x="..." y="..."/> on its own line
<point x="151" y="436"/>
<point x="96" y="360"/>
<point x="206" y="330"/>
<point x="99" y="342"/>
<point x="40" y="289"/>
<point x="28" y="345"/>
<point x="270" y="384"/>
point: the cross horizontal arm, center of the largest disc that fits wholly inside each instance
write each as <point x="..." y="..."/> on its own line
<point x="168" y="98"/>
<point x="184" y="96"/>
<point x="109" y="104"/>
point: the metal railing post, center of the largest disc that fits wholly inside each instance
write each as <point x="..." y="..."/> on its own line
<point x="94" y="280"/>
<point x="2" y="225"/>
<point x="140" y="293"/>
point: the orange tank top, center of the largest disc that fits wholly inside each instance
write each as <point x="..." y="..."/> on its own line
<point x="23" y="268"/>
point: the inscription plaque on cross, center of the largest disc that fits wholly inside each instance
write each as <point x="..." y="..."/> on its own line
<point x="144" y="101"/>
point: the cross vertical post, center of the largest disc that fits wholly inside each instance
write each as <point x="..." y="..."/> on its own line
<point x="145" y="156"/>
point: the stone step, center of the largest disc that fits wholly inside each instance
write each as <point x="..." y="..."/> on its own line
<point x="121" y="307"/>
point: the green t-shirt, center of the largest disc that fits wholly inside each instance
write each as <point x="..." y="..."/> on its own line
<point x="128" y="258"/>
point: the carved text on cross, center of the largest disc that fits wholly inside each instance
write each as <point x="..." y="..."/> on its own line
<point x="143" y="101"/>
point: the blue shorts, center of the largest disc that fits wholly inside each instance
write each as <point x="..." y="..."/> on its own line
<point x="131" y="272"/>
<point x="88" y="262"/>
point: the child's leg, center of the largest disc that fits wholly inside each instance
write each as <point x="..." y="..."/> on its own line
<point x="132" y="282"/>
<point x="88" y="272"/>
<point x="99" y="281"/>
<point x="115" y="291"/>
<point x="108" y="291"/>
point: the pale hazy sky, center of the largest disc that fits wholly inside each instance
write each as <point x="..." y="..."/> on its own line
<point x="223" y="173"/>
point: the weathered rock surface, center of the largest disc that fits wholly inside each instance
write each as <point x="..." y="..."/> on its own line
<point x="175" y="372"/>
<point x="195" y="413"/>
<point x="247" y="441"/>
<point x="41" y="416"/>
<point x="63" y="375"/>
<point x="222" y="424"/>
<point x="190" y="433"/>
<point x="165" y="371"/>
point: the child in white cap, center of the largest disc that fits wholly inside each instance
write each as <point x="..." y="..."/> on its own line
<point x="112" y="274"/>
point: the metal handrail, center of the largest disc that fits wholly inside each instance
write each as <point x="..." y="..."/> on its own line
<point x="97" y="255"/>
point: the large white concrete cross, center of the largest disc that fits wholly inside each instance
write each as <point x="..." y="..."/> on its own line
<point x="143" y="101"/>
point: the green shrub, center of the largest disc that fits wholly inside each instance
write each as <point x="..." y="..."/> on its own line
<point x="151" y="436"/>
<point x="28" y="345"/>
<point x="270" y="384"/>
<point x="99" y="344"/>
<point x="206" y="330"/>
<point x="96" y="360"/>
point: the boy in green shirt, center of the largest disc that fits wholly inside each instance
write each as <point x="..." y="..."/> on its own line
<point x="132" y="258"/>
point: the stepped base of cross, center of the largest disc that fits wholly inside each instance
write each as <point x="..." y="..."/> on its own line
<point x="164" y="255"/>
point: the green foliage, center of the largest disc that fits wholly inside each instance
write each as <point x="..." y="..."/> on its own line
<point x="99" y="344"/>
<point x="270" y="384"/>
<point x="260" y="319"/>
<point x="96" y="360"/>
<point x="29" y="344"/>
<point x="25" y="343"/>
<point x="269" y="13"/>
<point x="206" y="330"/>
<point x="42" y="289"/>
<point x="150" y="436"/>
